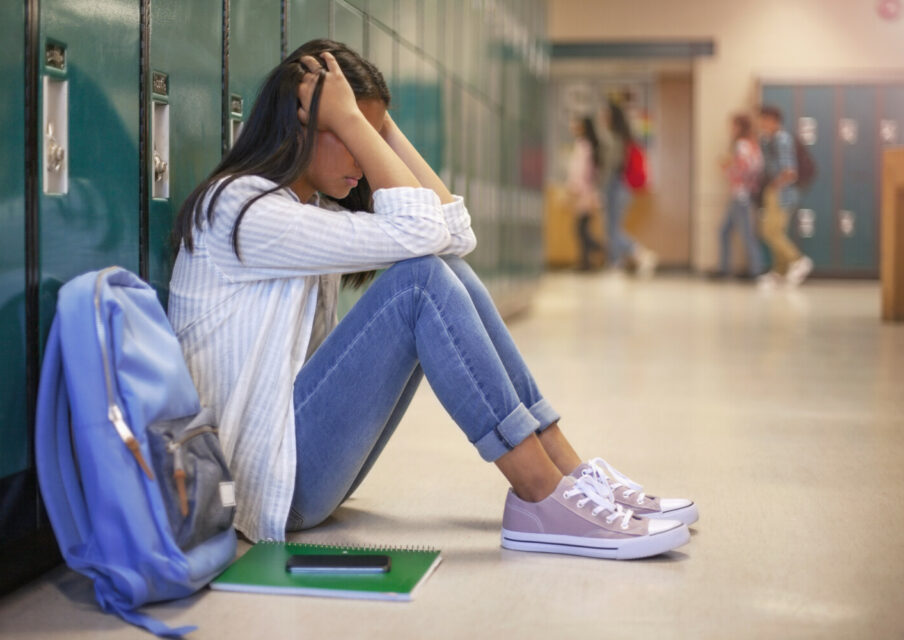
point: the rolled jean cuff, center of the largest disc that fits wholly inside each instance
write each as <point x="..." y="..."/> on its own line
<point x="543" y="413"/>
<point x="508" y="434"/>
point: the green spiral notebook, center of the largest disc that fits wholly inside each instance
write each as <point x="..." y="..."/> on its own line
<point x="263" y="570"/>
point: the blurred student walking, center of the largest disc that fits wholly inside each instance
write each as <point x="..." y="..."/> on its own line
<point x="780" y="198"/>
<point x="618" y="196"/>
<point x="583" y="172"/>
<point x="743" y="168"/>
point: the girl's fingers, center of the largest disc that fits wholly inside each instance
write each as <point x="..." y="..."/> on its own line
<point x="331" y="63"/>
<point x="311" y="64"/>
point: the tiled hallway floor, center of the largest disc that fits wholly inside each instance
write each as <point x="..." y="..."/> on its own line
<point x="781" y="414"/>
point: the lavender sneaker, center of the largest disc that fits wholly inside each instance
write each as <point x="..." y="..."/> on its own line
<point x="630" y="495"/>
<point x="579" y="519"/>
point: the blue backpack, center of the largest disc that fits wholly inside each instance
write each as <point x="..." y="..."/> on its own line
<point x="129" y="465"/>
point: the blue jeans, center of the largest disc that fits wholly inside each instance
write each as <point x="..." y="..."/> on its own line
<point x="740" y="214"/>
<point x="428" y="316"/>
<point x="618" y="197"/>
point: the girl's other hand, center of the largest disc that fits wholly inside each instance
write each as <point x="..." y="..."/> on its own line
<point x="337" y="100"/>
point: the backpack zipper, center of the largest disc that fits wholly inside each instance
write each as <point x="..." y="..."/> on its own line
<point x="114" y="413"/>
<point x="174" y="447"/>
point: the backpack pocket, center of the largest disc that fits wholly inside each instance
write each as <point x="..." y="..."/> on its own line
<point x="194" y="480"/>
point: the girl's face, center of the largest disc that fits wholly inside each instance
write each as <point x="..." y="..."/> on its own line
<point x="333" y="171"/>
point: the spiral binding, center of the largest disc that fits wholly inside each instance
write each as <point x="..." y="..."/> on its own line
<point x="361" y="548"/>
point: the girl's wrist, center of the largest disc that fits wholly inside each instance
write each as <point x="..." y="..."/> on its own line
<point x="345" y="124"/>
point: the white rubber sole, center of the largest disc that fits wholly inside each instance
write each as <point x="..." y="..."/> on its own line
<point x="687" y="515"/>
<point x="612" y="549"/>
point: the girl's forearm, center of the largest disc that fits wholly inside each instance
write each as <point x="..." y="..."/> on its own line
<point x="382" y="166"/>
<point x="414" y="161"/>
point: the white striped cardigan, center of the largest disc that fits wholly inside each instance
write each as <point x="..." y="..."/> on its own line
<point x="247" y="325"/>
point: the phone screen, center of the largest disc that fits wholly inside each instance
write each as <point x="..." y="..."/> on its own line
<point x="339" y="563"/>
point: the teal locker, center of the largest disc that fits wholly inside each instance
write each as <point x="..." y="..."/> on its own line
<point x="348" y="25"/>
<point x="891" y="116"/>
<point x="782" y="97"/>
<point x="432" y="31"/>
<point x="858" y="209"/>
<point x="185" y="114"/>
<point x="407" y="92"/>
<point x="88" y="194"/>
<point x="408" y="21"/>
<point x="307" y="20"/>
<point x="14" y="440"/>
<point x="383" y="11"/>
<point x="382" y="52"/>
<point x="813" y="225"/>
<point x="254" y="49"/>
<point x="431" y="108"/>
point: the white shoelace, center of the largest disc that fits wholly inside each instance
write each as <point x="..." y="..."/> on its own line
<point x="605" y="473"/>
<point x="590" y="490"/>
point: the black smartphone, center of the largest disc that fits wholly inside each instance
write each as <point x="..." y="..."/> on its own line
<point x="339" y="563"/>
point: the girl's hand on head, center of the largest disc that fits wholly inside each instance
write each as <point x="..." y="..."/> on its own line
<point x="305" y="93"/>
<point x="337" y="100"/>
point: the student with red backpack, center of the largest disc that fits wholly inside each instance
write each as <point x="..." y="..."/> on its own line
<point x="624" y="170"/>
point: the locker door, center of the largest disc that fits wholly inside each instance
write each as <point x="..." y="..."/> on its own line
<point x="185" y="112"/>
<point x="782" y="97"/>
<point x="813" y="225"/>
<point x="254" y="49"/>
<point x="431" y="115"/>
<point x="14" y="440"/>
<point x="857" y="210"/>
<point x="382" y="52"/>
<point x="406" y="94"/>
<point x="348" y="25"/>
<point x="891" y="116"/>
<point x="88" y="196"/>
<point x="409" y="21"/>
<point x="307" y="20"/>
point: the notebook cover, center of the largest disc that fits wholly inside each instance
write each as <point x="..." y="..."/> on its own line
<point x="263" y="570"/>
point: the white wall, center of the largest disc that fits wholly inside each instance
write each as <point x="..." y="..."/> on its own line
<point x="754" y="39"/>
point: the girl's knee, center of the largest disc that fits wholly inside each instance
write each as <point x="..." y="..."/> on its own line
<point x="426" y="271"/>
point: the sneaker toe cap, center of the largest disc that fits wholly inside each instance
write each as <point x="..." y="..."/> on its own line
<point x="661" y="526"/>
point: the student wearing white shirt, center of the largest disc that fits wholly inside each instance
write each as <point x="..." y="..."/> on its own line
<point x="306" y="404"/>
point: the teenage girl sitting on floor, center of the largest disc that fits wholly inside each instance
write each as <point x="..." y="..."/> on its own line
<point x="322" y="183"/>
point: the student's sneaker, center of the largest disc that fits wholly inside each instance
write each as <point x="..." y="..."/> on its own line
<point x="630" y="495"/>
<point x="769" y="281"/>
<point x="578" y="519"/>
<point x="798" y="271"/>
<point x="646" y="262"/>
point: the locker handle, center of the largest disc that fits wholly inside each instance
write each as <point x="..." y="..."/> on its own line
<point x="56" y="154"/>
<point x="160" y="167"/>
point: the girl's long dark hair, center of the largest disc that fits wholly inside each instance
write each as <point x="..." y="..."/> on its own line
<point x="593" y="139"/>
<point x="618" y="123"/>
<point x="274" y="145"/>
